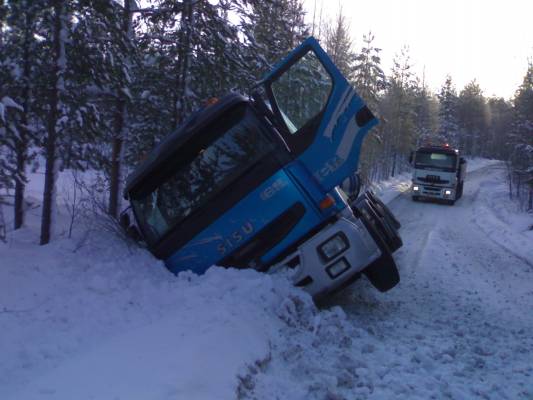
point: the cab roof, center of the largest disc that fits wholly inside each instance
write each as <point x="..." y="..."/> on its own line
<point x="179" y="137"/>
<point x="438" y="149"/>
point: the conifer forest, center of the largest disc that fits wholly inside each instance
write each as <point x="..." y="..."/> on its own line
<point x="95" y="84"/>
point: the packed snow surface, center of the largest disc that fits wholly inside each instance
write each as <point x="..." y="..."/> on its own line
<point x="94" y="318"/>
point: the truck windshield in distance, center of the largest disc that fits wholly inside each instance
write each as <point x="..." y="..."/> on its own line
<point x="435" y="160"/>
<point x="198" y="175"/>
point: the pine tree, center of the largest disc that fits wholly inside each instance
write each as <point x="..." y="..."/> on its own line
<point x="272" y="28"/>
<point x="190" y="52"/>
<point x="59" y="19"/>
<point x="20" y="58"/>
<point x="368" y="76"/>
<point x="498" y="134"/>
<point x="426" y="108"/>
<point x="522" y="136"/>
<point x="369" y="81"/>
<point x="338" y="44"/>
<point x="472" y="119"/>
<point x="448" y="128"/>
<point x="399" y="133"/>
<point x="122" y="94"/>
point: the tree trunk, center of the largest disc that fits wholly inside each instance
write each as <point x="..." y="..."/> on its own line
<point x="2" y="17"/>
<point x="120" y="129"/>
<point x="51" y="161"/>
<point x="22" y="142"/>
<point x="182" y="85"/>
<point x="116" y="158"/>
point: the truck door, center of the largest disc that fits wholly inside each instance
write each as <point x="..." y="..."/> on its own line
<point x="323" y="120"/>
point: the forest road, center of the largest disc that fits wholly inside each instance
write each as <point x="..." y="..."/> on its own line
<point x="460" y="322"/>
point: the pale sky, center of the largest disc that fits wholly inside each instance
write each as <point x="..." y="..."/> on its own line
<point x="488" y="40"/>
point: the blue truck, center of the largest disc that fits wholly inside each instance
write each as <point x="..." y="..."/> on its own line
<point x="256" y="182"/>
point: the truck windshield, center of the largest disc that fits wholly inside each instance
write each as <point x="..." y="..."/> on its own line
<point x="198" y="175"/>
<point x="435" y="161"/>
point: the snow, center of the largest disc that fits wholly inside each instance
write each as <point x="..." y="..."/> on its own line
<point x="95" y="318"/>
<point x="8" y="102"/>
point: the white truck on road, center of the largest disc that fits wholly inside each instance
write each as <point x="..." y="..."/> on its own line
<point x="438" y="173"/>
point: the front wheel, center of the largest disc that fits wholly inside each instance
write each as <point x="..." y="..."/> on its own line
<point x="382" y="273"/>
<point x="415" y="198"/>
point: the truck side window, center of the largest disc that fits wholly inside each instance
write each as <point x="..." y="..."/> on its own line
<point x="302" y="92"/>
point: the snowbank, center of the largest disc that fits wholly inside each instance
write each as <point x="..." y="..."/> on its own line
<point x="500" y="219"/>
<point x="105" y="321"/>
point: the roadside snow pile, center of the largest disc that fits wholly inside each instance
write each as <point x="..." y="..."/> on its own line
<point x="106" y="321"/>
<point x="475" y="163"/>
<point x="500" y="219"/>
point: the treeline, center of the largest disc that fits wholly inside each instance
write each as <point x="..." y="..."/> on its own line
<point x="94" y="84"/>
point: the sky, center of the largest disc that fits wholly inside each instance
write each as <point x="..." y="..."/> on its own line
<point x="489" y="41"/>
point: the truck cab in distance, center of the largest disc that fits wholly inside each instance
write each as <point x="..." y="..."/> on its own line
<point x="253" y="182"/>
<point x="438" y="173"/>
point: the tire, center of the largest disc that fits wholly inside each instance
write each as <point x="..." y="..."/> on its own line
<point x="382" y="273"/>
<point x="416" y="198"/>
<point x="384" y="210"/>
<point x="387" y="232"/>
<point x="450" y="202"/>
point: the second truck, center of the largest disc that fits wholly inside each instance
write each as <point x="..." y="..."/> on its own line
<point x="439" y="173"/>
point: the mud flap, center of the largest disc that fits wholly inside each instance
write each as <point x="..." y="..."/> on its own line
<point x="383" y="273"/>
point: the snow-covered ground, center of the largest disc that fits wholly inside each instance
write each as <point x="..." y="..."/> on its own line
<point x="98" y="319"/>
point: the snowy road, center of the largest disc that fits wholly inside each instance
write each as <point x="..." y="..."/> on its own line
<point x="460" y="323"/>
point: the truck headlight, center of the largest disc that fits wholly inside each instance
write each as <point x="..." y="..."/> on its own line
<point x="416" y="188"/>
<point x="332" y="247"/>
<point x="338" y="268"/>
<point x="448" y="192"/>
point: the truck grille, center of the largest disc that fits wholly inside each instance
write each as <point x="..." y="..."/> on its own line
<point x="249" y="254"/>
<point x="432" y="179"/>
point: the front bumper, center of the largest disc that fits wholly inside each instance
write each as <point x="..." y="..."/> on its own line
<point x="318" y="275"/>
<point x="432" y="191"/>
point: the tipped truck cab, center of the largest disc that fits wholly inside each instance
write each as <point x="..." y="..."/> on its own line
<point x="253" y="182"/>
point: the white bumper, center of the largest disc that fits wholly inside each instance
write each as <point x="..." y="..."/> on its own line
<point x="318" y="274"/>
